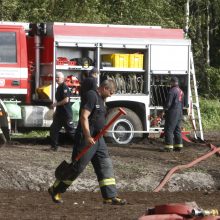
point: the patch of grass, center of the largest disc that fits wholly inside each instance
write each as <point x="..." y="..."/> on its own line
<point x="210" y="113"/>
<point x="32" y="134"/>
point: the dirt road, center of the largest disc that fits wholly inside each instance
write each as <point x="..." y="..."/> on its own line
<point x="27" y="169"/>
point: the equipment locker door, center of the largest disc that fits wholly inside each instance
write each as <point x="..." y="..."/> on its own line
<point x="169" y="59"/>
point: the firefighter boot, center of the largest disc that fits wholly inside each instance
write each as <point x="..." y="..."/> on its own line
<point x="115" y="201"/>
<point x="178" y="147"/>
<point x="56" y="197"/>
<point x="165" y="149"/>
<point x="54" y="148"/>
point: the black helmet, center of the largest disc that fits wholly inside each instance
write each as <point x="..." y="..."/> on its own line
<point x="174" y="79"/>
<point x="92" y="71"/>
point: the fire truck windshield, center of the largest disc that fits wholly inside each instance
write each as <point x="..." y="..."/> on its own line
<point x="8" y="47"/>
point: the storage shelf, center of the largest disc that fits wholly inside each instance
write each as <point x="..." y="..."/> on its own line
<point x="112" y="69"/>
<point x="74" y="97"/>
<point x="69" y="67"/>
<point x="156" y="107"/>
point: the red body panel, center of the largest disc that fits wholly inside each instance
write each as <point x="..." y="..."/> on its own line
<point x="122" y="32"/>
<point x="47" y="50"/>
<point x="23" y="83"/>
<point x="31" y="49"/>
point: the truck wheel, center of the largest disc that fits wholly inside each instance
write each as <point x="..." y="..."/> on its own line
<point x="128" y="122"/>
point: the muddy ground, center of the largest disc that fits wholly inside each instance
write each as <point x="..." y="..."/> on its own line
<point x="27" y="169"/>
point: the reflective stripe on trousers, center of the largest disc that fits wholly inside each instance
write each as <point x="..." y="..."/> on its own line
<point x="168" y="146"/>
<point x="178" y="145"/>
<point x="107" y="182"/>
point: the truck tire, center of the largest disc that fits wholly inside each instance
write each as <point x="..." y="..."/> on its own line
<point x="128" y="122"/>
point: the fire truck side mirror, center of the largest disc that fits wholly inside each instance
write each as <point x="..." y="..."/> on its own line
<point x="42" y="28"/>
<point x="37" y="29"/>
<point x="32" y="29"/>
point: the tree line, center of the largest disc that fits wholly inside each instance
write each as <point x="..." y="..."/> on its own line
<point x="200" y="20"/>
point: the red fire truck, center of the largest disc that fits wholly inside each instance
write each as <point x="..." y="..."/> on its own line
<point x="141" y="60"/>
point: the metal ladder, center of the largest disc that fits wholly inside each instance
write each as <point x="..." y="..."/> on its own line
<point x="195" y="115"/>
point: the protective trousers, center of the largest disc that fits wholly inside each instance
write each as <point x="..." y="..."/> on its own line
<point x="60" y="121"/>
<point x="99" y="156"/>
<point x="172" y="129"/>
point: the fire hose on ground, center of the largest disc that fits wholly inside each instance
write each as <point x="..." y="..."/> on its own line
<point x="180" y="211"/>
<point x="203" y="141"/>
<point x="214" y="150"/>
<point x="180" y="167"/>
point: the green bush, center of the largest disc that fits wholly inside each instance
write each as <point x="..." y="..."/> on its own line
<point x="214" y="81"/>
<point x="210" y="113"/>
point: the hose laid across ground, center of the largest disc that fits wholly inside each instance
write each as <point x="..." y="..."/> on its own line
<point x="180" y="167"/>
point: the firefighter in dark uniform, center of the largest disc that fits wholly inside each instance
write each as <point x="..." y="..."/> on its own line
<point x="89" y="83"/>
<point x="63" y="114"/>
<point x="173" y="116"/>
<point x="92" y="120"/>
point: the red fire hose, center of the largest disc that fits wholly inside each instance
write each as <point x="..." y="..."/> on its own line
<point x="102" y="132"/>
<point x="179" y="167"/>
<point x="178" y="211"/>
<point x="214" y="150"/>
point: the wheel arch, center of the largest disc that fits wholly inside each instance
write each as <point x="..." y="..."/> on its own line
<point x="137" y="107"/>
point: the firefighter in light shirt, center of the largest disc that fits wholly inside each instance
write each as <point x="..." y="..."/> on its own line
<point x="63" y="114"/>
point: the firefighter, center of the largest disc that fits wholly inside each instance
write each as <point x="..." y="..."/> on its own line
<point x="92" y="120"/>
<point x="173" y="116"/>
<point x="63" y="113"/>
<point x="89" y="83"/>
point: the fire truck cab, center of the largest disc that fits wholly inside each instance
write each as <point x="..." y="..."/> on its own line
<point x="140" y="59"/>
